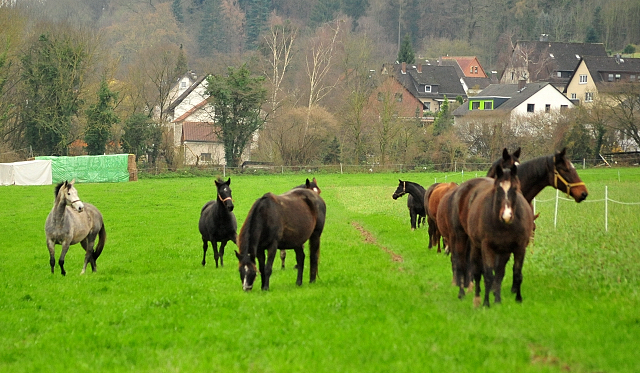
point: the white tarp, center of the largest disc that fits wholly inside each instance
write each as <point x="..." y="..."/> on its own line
<point x="36" y="172"/>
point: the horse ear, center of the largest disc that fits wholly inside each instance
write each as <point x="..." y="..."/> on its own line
<point x="229" y="181"/>
<point x="517" y="153"/>
<point x="562" y="153"/>
<point x="314" y="180"/>
<point x="216" y="182"/>
<point x="308" y="184"/>
<point x="505" y="154"/>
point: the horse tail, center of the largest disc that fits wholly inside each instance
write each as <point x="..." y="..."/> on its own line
<point x="103" y="238"/>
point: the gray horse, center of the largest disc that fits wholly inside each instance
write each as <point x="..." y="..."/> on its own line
<point x="71" y="221"/>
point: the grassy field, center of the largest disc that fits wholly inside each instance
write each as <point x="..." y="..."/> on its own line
<point x="383" y="302"/>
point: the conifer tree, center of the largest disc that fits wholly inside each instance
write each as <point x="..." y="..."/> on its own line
<point x="406" y="53"/>
<point x="100" y="118"/>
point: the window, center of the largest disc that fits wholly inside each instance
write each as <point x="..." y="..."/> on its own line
<point x="475" y="69"/>
<point x="183" y="84"/>
<point x="427" y="88"/>
<point x="632" y="78"/>
<point x="563" y="107"/>
<point x="399" y="97"/>
<point x="530" y="108"/>
<point x="559" y="74"/>
<point x="588" y="97"/>
<point x="574" y="96"/>
<point x="617" y="77"/>
<point x="475" y="105"/>
<point x="583" y="78"/>
<point x="488" y="105"/>
<point x="547" y="108"/>
<point x="471" y="69"/>
<point x="205" y="157"/>
<point x="610" y="77"/>
<point x="427" y="106"/>
<point x="513" y="75"/>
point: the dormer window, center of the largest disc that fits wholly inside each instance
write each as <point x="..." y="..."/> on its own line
<point x="475" y="69"/>
<point x="183" y="84"/>
<point x="427" y="88"/>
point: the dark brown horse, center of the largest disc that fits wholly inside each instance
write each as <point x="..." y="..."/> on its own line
<point x="415" y="201"/>
<point x="218" y="222"/>
<point x="554" y="170"/>
<point x="311" y="185"/>
<point x="283" y="222"/>
<point x="499" y="223"/>
<point x="431" y="202"/>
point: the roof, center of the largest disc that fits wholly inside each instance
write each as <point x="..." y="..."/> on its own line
<point x="514" y="96"/>
<point x="198" y="132"/>
<point x="444" y="77"/>
<point x="565" y="55"/>
<point x="465" y="62"/>
<point x="190" y="111"/>
<point x="600" y="67"/>
<point x="184" y="94"/>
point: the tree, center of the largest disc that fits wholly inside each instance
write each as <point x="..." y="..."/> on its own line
<point x="176" y="8"/>
<point x="141" y="136"/>
<point x="624" y="109"/>
<point x="443" y="120"/>
<point x="100" y="118"/>
<point x="406" y="53"/>
<point x="237" y="99"/>
<point x="257" y="16"/>
<point x="53" y="71"/>
<point x="277" y="50"/>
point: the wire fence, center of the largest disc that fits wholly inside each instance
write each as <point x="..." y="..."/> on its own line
<point x="606" y="200"/>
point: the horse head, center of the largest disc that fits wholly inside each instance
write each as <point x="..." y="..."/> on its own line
<point x="224" y="193"/>
<point x="566" y="179"/>
<point x="507" y="186"/>
<point x="66" y="192"/>
<point x="247" y="269"/>
<point x="401" y="190"/>
<point x="507" y="160"/>
<point x="313" y="185"/>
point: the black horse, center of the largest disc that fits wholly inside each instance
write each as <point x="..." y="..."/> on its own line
<point x="217" y="222"/>
<point x="312" y="185"/>
<point x="275" y="222"/>
<point x="415" y="201"/>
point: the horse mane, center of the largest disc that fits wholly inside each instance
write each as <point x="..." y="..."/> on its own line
<point x="220" y="180"/>
<point x="534" y="167"/>
<point x="249" y="223"/>
<point x="57" y="189"/>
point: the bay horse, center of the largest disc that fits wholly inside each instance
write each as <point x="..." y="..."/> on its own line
<point x="275" y="222"/>
<point x="70" y="222"/>
<point x="415" y="201"/>
<point x="311" y="185"/>
<point x="218" y="222"/>
<point x="555" y="170"/>
<point x="431" y="202"/>
<point x="499" y="223"/>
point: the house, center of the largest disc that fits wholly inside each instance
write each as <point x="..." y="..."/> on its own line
<point x="471" y="73"/>
<point x="594" y="74"/>
<point x="514" y="100"/>
<point x="429" y="85"/>
<point x="544" y="61"/>
<point x="191" y="122"/>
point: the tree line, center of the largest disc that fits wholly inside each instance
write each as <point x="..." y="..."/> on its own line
<point x="101" y="72"/>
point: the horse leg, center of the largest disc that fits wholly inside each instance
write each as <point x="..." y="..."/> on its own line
<point x="271" y="256"/>
<point x="216" y="255"/>
<point x="412" y="217"/>
<point x="205" y="246"/>
<point x="501" y="263"/>
<point x="488" y="261"/>
<point x="283" y="256"/>
<point x="300" y="263"/>
<point x="430" y="229"/>
<point x="87" y="245"/>
<point x="518" y="261"/>
<point x="52" y="253"/>
<point x="261" y="261"/>
<point x="222" y="246"/>
<point x="65" y="248"/>
<point x="314" y="256"/>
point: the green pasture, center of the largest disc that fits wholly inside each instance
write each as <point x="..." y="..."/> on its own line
<point x="383" y="302"/>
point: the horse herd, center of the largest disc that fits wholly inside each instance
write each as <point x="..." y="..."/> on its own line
<point x="275" y="222"/>
<point x="481" y="222"/>
<point x="484" y="220"/>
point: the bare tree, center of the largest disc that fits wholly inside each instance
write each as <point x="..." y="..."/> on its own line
<point x="624" y="109"/>
<point x="278" y="51"/>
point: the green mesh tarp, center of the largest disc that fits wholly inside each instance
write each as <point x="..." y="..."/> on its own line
<point x="90" y="168"/>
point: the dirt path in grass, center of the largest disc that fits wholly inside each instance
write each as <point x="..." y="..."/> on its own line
<point x="367" y="237"/>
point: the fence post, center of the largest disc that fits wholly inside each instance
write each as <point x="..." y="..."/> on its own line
<point x="224" y="171"/>
<point x="462" y="180"/>
<point x="606" y="208"/>
<point x="534" y="205"/>
<point x="340" y="168"/>
<point x="583" y="163"/>
<point x="455" y="166"/>
<point x="555" y="214"/>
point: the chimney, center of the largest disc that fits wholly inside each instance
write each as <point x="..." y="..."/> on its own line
<point x="419" y="68"/>
<point x="404" y="67"/>
<point x="521" y="84"/>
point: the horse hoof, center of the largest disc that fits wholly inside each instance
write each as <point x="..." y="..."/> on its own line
<point x="476" y="302"/>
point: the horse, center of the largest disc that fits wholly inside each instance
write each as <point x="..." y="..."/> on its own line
<point x="499" y="223"/>
<point x="218" y="222"/>
<point x="506" y="160"/>
<point x="534" y="175"/>
<point x="451" y="222"/>
<point x="312" y="185"/>
<point x="70" y="222"/>
<point x="275" y="222"/>
<point x="415" y="201"/>
<point x="432" y="200"/>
